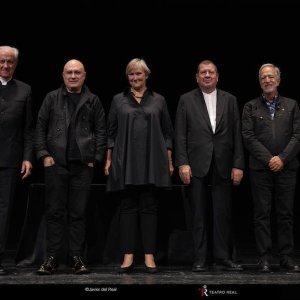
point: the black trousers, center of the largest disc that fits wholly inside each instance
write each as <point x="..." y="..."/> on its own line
<point x="67" y="194"/>
<point x="267" y="185"/>
<point x="8" y="182"/>
<point x="219" y="205"/>
<point x="138" y="207"/>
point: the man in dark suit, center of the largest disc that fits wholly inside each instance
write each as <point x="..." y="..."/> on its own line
<point x="271" y="131"/>
<point x="209" y="151"/>
<point x="15" y="137"/>
<point x="70" y="138"/>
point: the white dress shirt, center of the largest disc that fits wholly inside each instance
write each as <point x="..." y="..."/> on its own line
<point x="3" y="81"/>
<point x="211" y="105"/>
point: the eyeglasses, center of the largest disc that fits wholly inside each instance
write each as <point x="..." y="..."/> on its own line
<point x="9" y="62"/>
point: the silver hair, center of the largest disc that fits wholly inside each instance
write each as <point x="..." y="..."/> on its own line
<point x="16" y="51"/>
<point x="272" y="66"/>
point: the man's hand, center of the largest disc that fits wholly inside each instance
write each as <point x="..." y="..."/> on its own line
<point x="171" y="167"/>
<point x="26" y="168"/>
<point x="185" y="174"/>
<point x="276" y="164"/>
<point x="107" y="167"/>
<point x="236" y="176"/>
<point x="48" y="161"/>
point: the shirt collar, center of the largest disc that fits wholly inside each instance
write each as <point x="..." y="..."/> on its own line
<point x="275" y="98"/>
<point x="127" y="91"/>
<point x="212" y="94"/>
<point x="3" y="81"/>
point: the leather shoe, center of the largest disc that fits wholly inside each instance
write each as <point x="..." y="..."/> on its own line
<point x="263" y="266"/>
<point x="199" y="267"/>
<point x="79" y="266"/>
<point x="123" y="270"/>
<point x="3" y="271"/>
<point x="151" y="270"/>
<point x="289" y="266"/>
<point x="229" y="265"/>
<point x="48" y="267"/>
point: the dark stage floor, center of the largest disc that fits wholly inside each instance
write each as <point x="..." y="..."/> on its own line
<point x="106" y="275"/>
<point x="179" y="282"/>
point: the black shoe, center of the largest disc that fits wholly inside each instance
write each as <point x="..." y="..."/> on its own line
<point x="123" y="270"/>
<point x="79" y="266"/>
<point x="48" y="267"/>
<point x="151" y="270"/>
<point x="199" y="267"/>
<point x="263" y="266"/>
<point x="288" y="265"/>
<point x="3" y="271"/>
<point x="229" y="265"/>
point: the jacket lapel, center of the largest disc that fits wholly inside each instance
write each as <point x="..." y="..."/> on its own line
<point x="203" y="108"/>
<point x="68" y="117"/>
<point x="82" y="100"/>
<point x="219" y="108"/>
<point x="263" y="109"/>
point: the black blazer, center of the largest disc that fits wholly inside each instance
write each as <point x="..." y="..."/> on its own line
<point x="195" y="141"/>
<point x="265" y="138"/>
<point x="16" y="124"/>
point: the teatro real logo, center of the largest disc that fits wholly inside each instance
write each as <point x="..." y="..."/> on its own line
<point x="206" y="292"/>
<point x="203" y="291"/>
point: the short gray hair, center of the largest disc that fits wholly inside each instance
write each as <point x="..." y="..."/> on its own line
<point x="272" y="66"/>
<point x="15" y="50"/>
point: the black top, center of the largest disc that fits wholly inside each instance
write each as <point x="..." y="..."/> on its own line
<point x="140" y="134"/>
<point x="73" y="153"/>
<point x="53" y="122"/>
<point x="16" y="124"/>
<point x="265" y="137"/>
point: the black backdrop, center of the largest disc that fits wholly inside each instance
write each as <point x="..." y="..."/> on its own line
<point x="173" y="37"/>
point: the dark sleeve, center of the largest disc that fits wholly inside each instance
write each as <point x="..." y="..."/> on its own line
<point x="167" y="126"/>
<point x="28" y="129"/>
<point x="293" y="147"/>
<point x="41" y="128"/>
<point x="253" y="145"/>
<point x="238" y="152"/>
<point x="100" y="130"/>
<point x="112" y="125"/>
<point x="181" y="156"/>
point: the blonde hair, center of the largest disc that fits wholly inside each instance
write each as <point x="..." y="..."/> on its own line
<point x="137" y="63"/>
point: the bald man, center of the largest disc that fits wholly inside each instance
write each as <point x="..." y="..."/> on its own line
<point x="70" y="138"/>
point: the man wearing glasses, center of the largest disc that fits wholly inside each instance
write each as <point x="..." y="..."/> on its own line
<point x="70" y="138"/>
